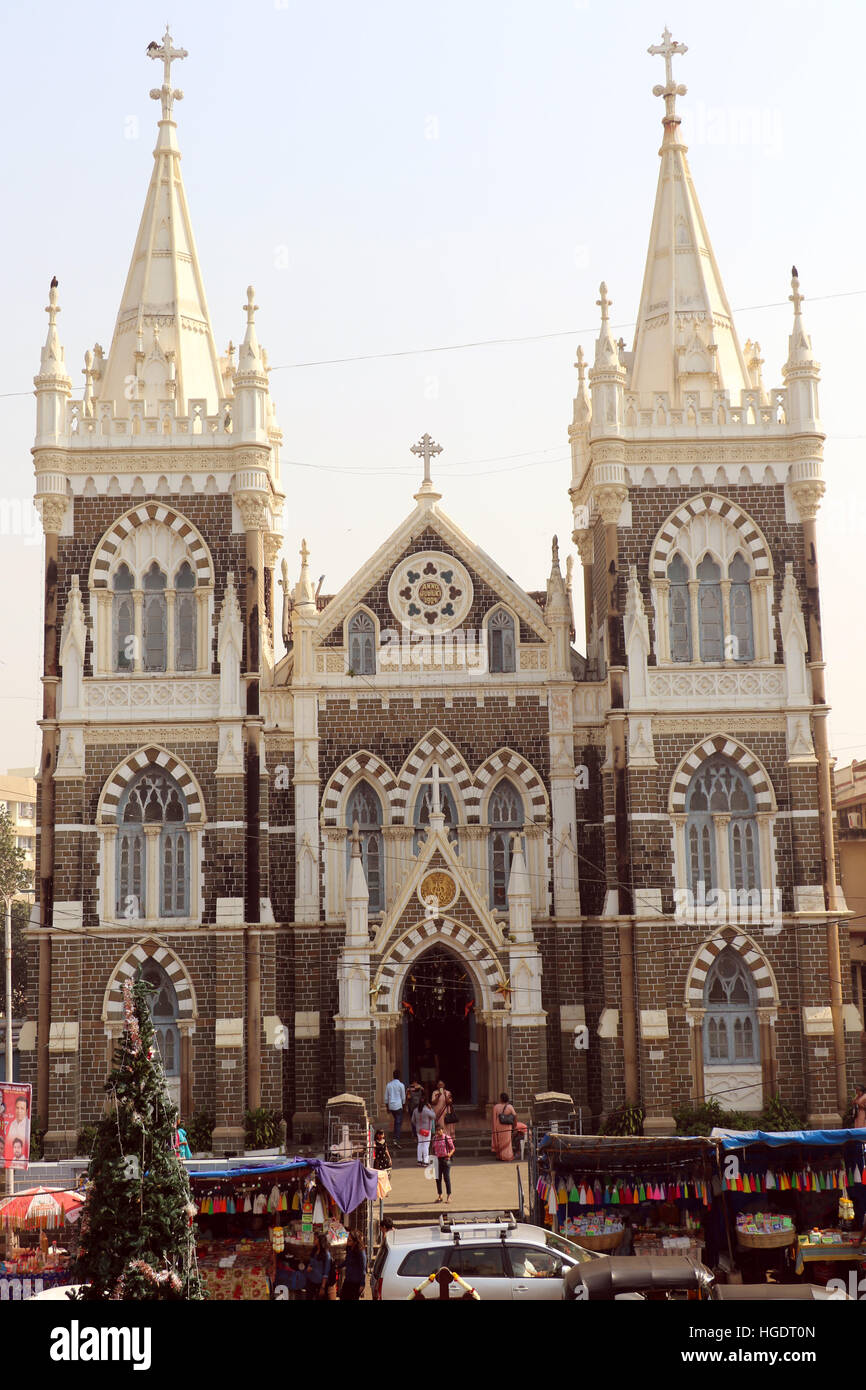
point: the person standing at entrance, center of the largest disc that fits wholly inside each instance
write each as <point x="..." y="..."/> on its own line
<point x="504" y="1120"/>
<point x="443" y="1152"/>
<point x="395" y="1099"/>
<point x="428" y="1066"/>
<point x="443" y="1105"/>
<point x="425" y="1119"/>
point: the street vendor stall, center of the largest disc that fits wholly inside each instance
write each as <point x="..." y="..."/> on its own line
<point x="32" y="1259"/>
<point x="257" y="1224"/>
<point x="611" y="1194"/>
<point x="795" y="1197"/>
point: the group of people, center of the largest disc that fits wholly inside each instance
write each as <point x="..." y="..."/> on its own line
<point x="433" y="1124"/>
<point x="322" y="1275"/>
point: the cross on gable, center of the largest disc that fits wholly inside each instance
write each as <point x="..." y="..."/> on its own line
<point x="425" y="449"/>
<point x="435" y="778"/>
<point x="169" y="55"/>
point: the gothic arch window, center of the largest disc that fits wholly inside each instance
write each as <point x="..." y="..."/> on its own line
<point x="164" y="1015"/>
<point x="711" y="571"/>
<point x="184" y="619"/>
<point x="365" y="807"/>
<point x="151" y="582"/>
<point x="123" y="620"/>
<point x="362" y="644"/>
<point x="154" y="620"/>
<point x="722" y="840"/>
<point x="153" y="849"/>
<point x="423" y="807"/>
<point x="504" y="817"/>
<point x="680" y="610"/>
<point x="742" y="633"/>
<point x="731" y="1021"/>
<point x="500" y="641"/>
<point x="710" y="626"/>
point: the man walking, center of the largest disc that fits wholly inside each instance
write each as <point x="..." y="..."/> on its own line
<point x="395" y="1099"/>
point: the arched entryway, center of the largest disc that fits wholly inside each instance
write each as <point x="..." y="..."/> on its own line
<point x="439" y="1024"/>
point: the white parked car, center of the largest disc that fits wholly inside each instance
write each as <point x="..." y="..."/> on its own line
<point x="501" y="1259"/>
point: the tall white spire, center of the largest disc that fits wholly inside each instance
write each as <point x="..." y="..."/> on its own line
<point x="685" y="339"/>
<point x="163" y="347"/>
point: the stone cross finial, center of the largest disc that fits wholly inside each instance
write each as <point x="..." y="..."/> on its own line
<point x="305" y="554"/>
<point x="355" y="838"/>
<point x="251" y="305"/>
<point x="554" y="550"/>
<point x="671" y="90"/>
<point x="796" y="298"/>
<point x="52" y="308"/>
<point x="165" y="93"/>
<point x="580" y="364"/>
<point x="425" y="449"/>
<point x="604" y="303"/>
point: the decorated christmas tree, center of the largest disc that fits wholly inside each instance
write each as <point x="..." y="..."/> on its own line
<point x="137" y="1226"/>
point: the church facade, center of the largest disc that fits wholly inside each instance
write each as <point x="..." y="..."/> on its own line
<point x="409" y="825"/>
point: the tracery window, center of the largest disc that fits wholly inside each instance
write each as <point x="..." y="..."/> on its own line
<point x="731" y="1019"/>
<point x="147" y="889"/>
<point x="365" y="807"/>
<point x="505" y="816"/>
<point x="710" y="623"/>
<point x="154" y="620"/>
<point x="721" y="824"/>
<point x="123" y="620"/>
<point x="184" y="619"/>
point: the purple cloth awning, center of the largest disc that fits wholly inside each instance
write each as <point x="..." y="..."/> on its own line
<point x="349" y="1183"/>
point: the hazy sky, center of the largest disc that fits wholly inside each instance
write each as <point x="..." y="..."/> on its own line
<point x="399" y="176"/>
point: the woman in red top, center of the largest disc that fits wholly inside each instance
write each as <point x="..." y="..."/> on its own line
<point x="443" y="1152"/>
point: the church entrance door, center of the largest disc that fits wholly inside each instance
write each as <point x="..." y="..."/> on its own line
<point x="439" y="1025"/>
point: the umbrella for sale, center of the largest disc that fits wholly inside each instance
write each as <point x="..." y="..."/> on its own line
<point x="40" y="1209"/>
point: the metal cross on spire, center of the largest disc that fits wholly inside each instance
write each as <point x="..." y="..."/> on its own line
<point x="165" y="93"/>
<point x="671" y="90"/>
<point x="425" y="449"/>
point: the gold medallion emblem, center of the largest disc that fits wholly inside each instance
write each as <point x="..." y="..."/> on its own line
<point x="440" y="886"/>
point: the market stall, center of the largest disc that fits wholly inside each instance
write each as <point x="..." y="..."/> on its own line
<point x="257" y="1225"/>
<point x="613" y="1194"/>
<point x="32" y="1259"/>
<point x="794" y="1198"/>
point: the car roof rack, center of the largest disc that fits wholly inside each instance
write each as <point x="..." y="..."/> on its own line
<point x="463" y="1223"/>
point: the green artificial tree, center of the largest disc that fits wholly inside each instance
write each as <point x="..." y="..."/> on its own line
<point x="137" y="1237"/>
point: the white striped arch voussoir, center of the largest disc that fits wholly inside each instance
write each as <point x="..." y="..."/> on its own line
<point x="147" y="512"/>
<point x="729" y="748"/>
<point x="127" y="968"/>
<point x="467" y="788"/>
<point x="752" y="540"/>
<point x="151" y="756"/>
<point x="766" y="993"/>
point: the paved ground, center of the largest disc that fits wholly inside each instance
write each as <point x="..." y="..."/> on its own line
<point x="477" y="1184"/>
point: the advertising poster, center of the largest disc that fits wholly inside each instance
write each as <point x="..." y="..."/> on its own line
<point x="15" y="1105"/>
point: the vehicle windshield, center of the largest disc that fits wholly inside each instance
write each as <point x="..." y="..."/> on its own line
<point x="567" y="1247"/>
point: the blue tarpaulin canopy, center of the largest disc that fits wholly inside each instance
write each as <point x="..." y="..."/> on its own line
<point x="811" y="1138"/>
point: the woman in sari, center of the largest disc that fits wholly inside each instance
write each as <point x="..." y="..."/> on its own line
<point x="442" y="1101"/>
<point x="503" y="1132"/>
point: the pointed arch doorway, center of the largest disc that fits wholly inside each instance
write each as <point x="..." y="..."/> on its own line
<point x="439" y="1024"/>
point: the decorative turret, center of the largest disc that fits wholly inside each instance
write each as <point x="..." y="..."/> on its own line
<point x="53" y="386"/>
<point x="557" y="615"/>
<point x="250" y="410"/>
<point x="357" y="895"/>
<point x="801" y="372"/>
<point x="519" y="895"/>
<point x="578" y="430"/>
<point x="607" y="375"/>
<point x="304" y="618"/>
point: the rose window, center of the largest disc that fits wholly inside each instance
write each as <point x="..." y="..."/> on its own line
<point x="430" y="592"/>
